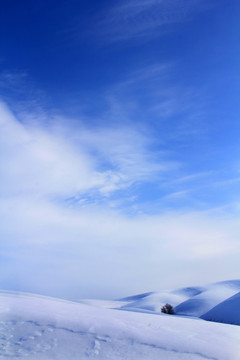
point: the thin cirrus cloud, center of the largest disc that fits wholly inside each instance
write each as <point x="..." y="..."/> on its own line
<point x="150" y="92"/>
<point x="132" y="19"/>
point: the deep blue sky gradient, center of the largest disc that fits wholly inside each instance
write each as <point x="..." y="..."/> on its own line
<point x="73" y="64"/>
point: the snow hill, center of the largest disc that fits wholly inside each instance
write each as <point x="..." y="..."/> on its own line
<point x="36" y="327"/>
<point x="154" y="301"/>
<point x="209" y="297"/>
<point x="227" y="311"/>
<point x="189" y="301"/>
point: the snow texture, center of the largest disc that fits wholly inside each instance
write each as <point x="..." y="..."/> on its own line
<point x="37" y="327"/>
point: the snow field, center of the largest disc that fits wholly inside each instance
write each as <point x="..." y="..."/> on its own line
<point x="38" y="327"/>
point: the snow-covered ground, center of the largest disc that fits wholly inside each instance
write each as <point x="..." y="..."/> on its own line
<point x="190" y="301"/>
<point x="36" y="327"/>
<point x="209" y="297"/>
<point x="227" y="311"/>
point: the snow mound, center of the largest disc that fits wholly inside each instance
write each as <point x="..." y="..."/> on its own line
<point x="227" y="311"/>
<point x="106" y="304"/>
<point x="211" y="296"/>
<point x="42" y="328"/>
<point x="188" y="301"/>
<point x="154" y="302"/>
<point x="230" y="283"/>
<point x="136" y="297"/>
<point x="190" y="291"/>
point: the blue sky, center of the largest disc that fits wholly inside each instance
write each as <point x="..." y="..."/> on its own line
<point x="119" y="145"/>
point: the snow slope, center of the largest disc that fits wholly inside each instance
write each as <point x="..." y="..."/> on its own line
<point x="154" y="301"/>
<point x="211" y="296"/>
<point x="36" y="327"/>
<point x="189" y="301"/>
<point x="227" y="311"/>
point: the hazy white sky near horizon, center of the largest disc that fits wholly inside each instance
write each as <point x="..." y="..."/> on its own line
<point x="119" y="146"/>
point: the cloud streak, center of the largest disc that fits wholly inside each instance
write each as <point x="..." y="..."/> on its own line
<point x="143" y="19"/>
<point x="65" y="161"/>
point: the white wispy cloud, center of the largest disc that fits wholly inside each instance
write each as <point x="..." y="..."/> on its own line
<point x="151" y="94"/>
<point x="133" y="19"/>
<point x="35" y="162"/>
<point x="66" y="161"/>
<point x="52" y="248"/>
<point x="9" y="79"/>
